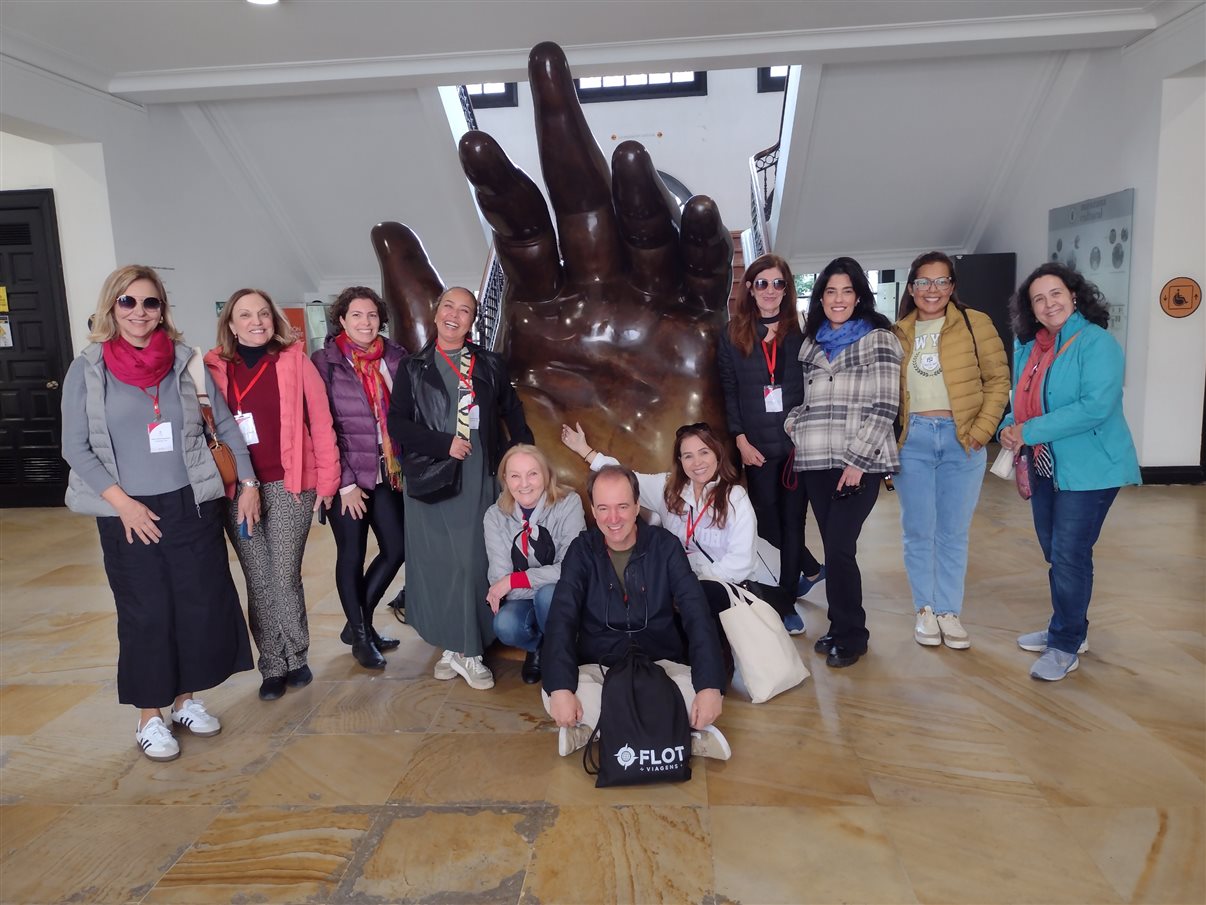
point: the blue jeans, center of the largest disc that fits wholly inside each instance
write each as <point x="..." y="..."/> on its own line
<point x="938" y="485"/>
<point x="1068" y="523"/>
<point x="520" y="622"/>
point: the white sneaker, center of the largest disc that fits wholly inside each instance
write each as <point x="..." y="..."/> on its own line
<point x="473" y="671"/>
<point x="710" y="742"/>
<point x="573" y="738"/>
<point x="954" y="635"/>
<point x="926" y="630"/>
<point x="196" y="719"/>
<point x="443" y="667"/>
<point x="155" y="740"/>
<point x="1036" y="642"/>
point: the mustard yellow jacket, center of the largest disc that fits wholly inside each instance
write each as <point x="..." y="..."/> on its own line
<point x="976" y="374"/>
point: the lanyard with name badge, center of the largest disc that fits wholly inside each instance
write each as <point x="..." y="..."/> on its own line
<point x="692" y="524"/>
<point x="245" y="420"/>
<point x="465" y="389"/>
<point x="772" y="393"/>
<point x="159" y="432"/>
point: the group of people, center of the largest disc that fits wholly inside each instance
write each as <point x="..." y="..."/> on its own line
<point x="416" y="447"/>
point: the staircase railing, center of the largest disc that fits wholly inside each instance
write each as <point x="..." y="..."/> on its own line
<point x="763" y="168"/>
<point x="490" y="303"/>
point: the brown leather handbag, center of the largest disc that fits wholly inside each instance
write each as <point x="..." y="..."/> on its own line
<point x="223" y="456"/>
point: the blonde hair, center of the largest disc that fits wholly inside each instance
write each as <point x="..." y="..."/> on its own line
<point x="104" y="323"/>
<point x="553" y="491"/>
<point x="282" y="334"/>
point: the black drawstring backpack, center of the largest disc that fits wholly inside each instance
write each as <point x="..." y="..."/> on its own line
<point x="644" y="732"/>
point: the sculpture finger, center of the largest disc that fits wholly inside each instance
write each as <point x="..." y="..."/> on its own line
<point x="648" y="217"/>
<point x="515" y="210"/>
<point x="707" y="249"/>
<point x="409" y="283"/>
<point x="575" y="171"/>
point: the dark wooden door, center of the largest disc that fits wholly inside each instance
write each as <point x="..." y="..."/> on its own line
<point x="34" y="352"/>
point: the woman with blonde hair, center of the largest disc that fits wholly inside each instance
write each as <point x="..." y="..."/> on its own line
<point x="134" y="437"/>
<point x="527" y="533"/>
<point x="280" y="404"/>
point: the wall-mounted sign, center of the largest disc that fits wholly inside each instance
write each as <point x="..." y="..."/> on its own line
<point x="1180" y="297"/>
<point x="1094" y="237"/>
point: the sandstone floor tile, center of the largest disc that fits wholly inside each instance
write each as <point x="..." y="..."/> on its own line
<point x="47" y="771"/>
<point x="378" y="706"/>
<point x="478" y="769"/>
<point x="1005" y="855"/>
<point x="102" y="854"/>
<point x="875" y="708"/>
<point x="24" y="709"/>
<point x="330" y="770"/>
<point x="510" y="706"/>
<point x="20" y="824"/>
<point x="637" y="854"/>
<point x="1014" y="702"/>
<point x="804" y="855"/>
<point x="266" y="855"/>
<point x="1147" y="854"/>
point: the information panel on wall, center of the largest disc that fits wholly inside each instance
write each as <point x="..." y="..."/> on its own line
<point x="1094" y="237"/>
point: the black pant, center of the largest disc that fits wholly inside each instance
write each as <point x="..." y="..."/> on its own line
<point x="781" y="513"/>
<point x="840" y="522"/>
<point x="180" y="626"/>
<point x="360" y="589"/>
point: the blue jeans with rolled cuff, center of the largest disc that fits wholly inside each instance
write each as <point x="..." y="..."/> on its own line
<point x="520" y="622"/>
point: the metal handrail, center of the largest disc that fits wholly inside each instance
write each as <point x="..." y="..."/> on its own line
<point x="763" y="169"/>
<point x="490" y="303"/>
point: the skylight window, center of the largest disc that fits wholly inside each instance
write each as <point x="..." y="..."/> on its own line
<point x="493" y="94"/>
<point x="641" y="85"/>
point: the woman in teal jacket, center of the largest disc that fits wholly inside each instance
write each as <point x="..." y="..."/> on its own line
<point x="1067" y="411"/>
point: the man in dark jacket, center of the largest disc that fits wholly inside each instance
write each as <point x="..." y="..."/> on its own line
<point x="622" y="580"/>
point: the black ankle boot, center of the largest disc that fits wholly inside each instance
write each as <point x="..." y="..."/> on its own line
<point x="531" y="667"/>
<point x="382" y="642"/>
<point x="365" y="651"/>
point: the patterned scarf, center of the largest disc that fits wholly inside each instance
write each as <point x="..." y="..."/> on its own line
<point x="1028" y="396"/>
<point x="137" y="367"/>
<point x="834" y="340"/>
<point x="530" y="537"/>
<point x="367" y="364"/>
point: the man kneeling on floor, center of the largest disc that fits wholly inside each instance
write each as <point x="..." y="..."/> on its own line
<point x="622" y="581"/>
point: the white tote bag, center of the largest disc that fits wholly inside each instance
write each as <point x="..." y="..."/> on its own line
<point x="762" y="649"/>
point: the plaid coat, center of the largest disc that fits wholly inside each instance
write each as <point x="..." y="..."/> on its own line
<point x="850" y="405"/>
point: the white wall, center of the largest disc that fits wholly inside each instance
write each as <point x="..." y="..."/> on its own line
<point x="1102" y="130"/>
<point x="704" y="142"/>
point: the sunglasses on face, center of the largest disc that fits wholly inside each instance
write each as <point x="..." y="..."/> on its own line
<point x="941" y="283"/>
<point x="762" y="283"/>
<point x="692" y="429"/>
<point x="150" y="303"/>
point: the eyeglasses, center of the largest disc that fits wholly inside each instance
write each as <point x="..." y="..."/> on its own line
<point x="150" y="303"/>
<point x="762" y="283"/>
<point x="695" y="428"/>
<point x="941" y="283"/>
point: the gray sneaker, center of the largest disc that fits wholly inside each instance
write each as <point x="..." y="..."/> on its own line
<point x="572" y="738"/>
<point x="1036" y="642"/>
<point x="1053" y="665"/>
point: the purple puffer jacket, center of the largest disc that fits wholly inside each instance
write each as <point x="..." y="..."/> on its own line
<point x="355" y="427"/>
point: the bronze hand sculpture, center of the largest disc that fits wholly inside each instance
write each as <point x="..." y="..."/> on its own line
<point x="616" y="325"/>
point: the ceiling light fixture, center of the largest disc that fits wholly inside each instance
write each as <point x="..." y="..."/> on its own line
<point x="263" y="2"/>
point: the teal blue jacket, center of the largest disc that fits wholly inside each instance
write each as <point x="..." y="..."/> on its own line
<point x="1082" y="418"/>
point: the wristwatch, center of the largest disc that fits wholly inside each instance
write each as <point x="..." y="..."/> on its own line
<point x="250" y="482"/>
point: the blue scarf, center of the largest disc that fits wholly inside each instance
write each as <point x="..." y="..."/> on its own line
<point x="833" y="341"/>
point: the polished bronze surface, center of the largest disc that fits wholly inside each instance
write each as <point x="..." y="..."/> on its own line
<point x="611" y="318"/>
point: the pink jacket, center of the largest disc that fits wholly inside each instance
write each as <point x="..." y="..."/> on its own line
<point x="308" y="451"/>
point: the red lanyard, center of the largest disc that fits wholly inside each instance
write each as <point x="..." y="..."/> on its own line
<point x="466" y="380"/>
<point x="239" y="396"/>
<point x="771" y="357"/>
<point x="693" y="524"/>
<point x="154" y="400"/>
<point x="523" y="536"/>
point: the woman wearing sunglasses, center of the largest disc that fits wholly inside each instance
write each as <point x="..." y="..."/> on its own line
<point x="280" y="405"/>
<point x="134" y="438"/>
<point x="954" y="384"/>
<point x="843" y="433"/>
<point x="359" y="367"/>
<point x="762" y="382"/>
<point x="527" y="533"/>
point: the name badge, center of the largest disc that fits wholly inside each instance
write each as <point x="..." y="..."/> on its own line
<point x="246" y="423"/>
<point x="159" y="433"/>
<point x="772" y="397"/>
<point x="475" y="417"/>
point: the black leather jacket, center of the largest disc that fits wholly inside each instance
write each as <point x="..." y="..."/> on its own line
<point x="742" y="378"/>
<point x="418" y="408"/>
<point x="589" y="621"/>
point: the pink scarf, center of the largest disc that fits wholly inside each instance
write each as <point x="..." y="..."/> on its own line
<point x="137" y="367"/>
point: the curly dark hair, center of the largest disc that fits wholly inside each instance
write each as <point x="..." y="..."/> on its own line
<point x="1088" y="299"/>
<point x="864" y="309"/>
<point x="339" y="309"/>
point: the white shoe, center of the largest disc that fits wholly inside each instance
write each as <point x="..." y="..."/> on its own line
<point x="926" y="630"/>
<point x="710" y="742"/>
<point x="473" y="671"/>
<point x="954" y="635"/>
<point x="443" y="668"/>
<point x="196" y="719"/>
<point x="1036" y="642"/>
<point x="155" y="740"/>
<point x="573" y="738"/>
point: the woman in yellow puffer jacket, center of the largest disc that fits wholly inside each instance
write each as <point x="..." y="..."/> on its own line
<point x="954" y="384"/>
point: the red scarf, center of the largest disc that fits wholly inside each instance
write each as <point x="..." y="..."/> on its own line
<point x="367" y="364"/>
<point x="137" y="367"/>
<point x="1028" y="397"/>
